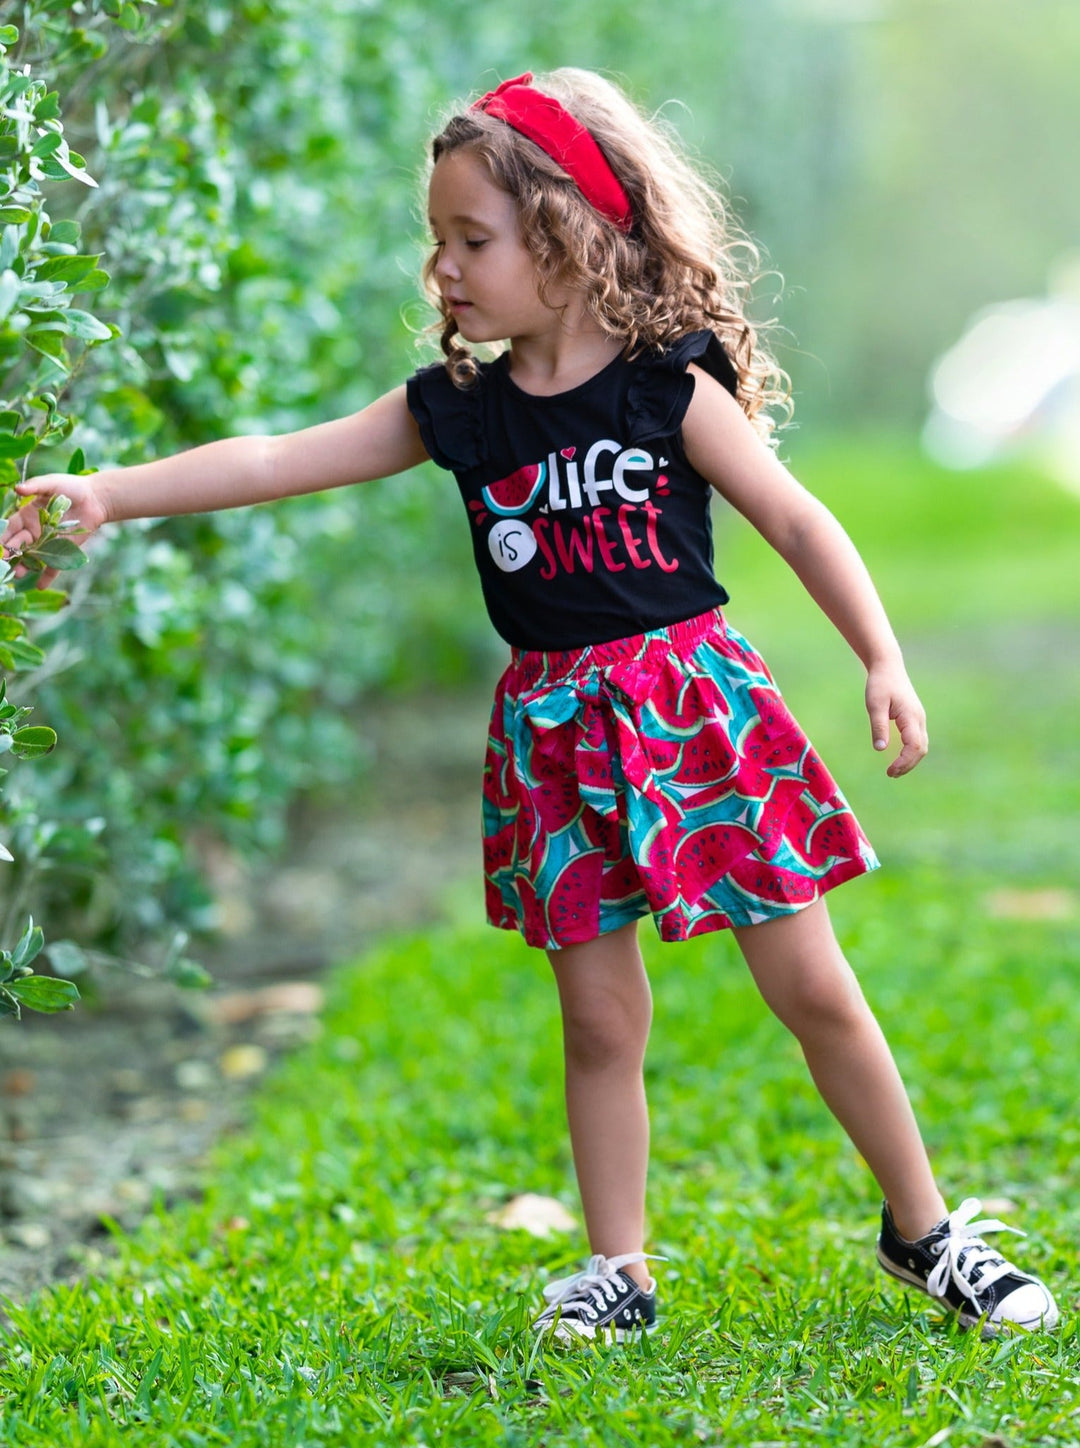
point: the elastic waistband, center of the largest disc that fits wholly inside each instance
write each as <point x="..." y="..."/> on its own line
<point x="534" y="666"/>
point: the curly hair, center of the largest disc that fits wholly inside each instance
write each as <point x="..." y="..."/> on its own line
<point x="685" y="265"/>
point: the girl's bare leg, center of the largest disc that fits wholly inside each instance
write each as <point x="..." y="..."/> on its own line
<point x="803" y="976"/>
<point x="607" y="1011"/>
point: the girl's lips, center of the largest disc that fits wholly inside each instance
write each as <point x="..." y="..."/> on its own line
<point x="456" y="305"/>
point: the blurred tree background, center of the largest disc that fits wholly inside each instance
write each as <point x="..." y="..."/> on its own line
<point x="257" y="210"/>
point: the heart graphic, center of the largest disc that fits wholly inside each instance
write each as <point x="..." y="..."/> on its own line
<point x="568" y="452"/>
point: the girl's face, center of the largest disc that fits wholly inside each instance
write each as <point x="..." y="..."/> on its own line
<point x="484" y="270"/>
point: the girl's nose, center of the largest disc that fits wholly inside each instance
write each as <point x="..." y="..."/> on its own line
<point x="446" y="266"/>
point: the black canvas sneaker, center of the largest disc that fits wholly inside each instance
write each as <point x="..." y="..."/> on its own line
<point x="602" y="1301"/>
<point x="955" y="1265"/>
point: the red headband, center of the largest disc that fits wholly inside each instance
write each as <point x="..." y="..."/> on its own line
<point x="542" y="119"/>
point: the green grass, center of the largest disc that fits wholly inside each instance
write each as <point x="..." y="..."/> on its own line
<point x="363" y="1297"/>
<point x="339" y="1284"/>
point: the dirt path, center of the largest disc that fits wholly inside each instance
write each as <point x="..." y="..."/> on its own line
<point x="108" y="1108"/>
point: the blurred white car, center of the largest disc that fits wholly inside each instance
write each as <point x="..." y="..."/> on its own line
<point x="1011" y="384"/>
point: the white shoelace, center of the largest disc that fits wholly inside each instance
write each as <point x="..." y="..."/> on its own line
<point x="964" y="1254"/>
<point x="592" y="1287"/>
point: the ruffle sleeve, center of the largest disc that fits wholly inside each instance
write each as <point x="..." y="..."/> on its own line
<point x="449" y="418"/>
<point x="662" y="388"/>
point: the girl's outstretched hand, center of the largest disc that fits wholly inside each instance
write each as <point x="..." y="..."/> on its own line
<point x="889" y="695"/>
<point x="23" y="528"/>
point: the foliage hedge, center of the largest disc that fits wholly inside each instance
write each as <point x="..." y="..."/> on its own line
<point x="245" y="181"/>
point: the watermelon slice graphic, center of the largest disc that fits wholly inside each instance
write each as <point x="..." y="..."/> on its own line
<point x="706" y="854"/>
<point x="513" y="495"/>
<point x="574" y="900"/>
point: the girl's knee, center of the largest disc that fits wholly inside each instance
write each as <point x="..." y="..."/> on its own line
<point x="819" y="1000"/>
<point x="600" y="1032"/>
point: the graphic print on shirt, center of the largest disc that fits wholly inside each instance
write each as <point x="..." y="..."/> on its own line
<point x="609" y="520"/>
<point x="515" y="494"/>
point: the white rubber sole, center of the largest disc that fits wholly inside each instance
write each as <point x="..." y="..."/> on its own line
<point x="571" y="1332"/>
<point x="1045" y="1322"/>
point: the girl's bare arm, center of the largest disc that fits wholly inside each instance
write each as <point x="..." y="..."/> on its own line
<point x="381" y="440"/>
<point x="723" y="446"/>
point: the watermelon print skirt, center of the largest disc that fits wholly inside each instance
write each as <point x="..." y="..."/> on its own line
<point x="660" y="774"/>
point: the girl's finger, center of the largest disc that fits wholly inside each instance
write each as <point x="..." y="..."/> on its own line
<point x="915" y="745"/>
<point x="905" y="761"/>
<point x="879" y="724"/>
<point x="34" y="486"/>
<point x="879" y="699"/>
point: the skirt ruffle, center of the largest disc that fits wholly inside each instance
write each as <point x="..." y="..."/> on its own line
<point x="660" y="774"/>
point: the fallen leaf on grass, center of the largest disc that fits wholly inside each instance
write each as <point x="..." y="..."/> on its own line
<point x="1045" y="904"/>
<point x="531" y="1213"/>
<point x="998" y="1206"/>
<point x="240" y="1062"/>
<point x="466" y="1381"/>
<point x="460" y="1380"/>
<point x="292" y="997"/>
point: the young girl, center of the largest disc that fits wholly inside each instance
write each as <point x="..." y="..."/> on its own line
<point x="640" y="759"/>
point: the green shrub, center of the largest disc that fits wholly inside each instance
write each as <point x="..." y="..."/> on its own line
<point x="205" y="667"/>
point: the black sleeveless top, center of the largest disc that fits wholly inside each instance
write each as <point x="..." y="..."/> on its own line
<point x="588" y="522"/>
